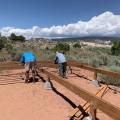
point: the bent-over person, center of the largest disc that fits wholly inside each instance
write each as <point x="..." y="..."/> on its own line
<point x="29" y="61"/>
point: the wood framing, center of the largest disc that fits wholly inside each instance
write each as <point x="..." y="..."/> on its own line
<point x="15" y="65"/>
<point x="104" y="106"/>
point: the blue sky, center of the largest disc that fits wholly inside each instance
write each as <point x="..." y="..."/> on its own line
<point x="45" y="13"/>
<point x="24" y="14"/>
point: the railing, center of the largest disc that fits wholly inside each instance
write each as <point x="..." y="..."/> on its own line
<point x="95" y="70"/>
<point x="14" y="65"/>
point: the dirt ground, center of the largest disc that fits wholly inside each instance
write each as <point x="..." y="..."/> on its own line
<point x="32" y="101"/>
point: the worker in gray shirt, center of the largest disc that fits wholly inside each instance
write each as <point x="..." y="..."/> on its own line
<point x="61" y="60"/>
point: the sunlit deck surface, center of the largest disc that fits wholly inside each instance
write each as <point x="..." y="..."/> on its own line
<point x="20" y="101"/>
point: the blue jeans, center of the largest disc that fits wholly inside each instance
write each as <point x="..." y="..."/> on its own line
<point x="62" y="69"/>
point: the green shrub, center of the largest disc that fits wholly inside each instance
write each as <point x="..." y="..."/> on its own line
<point x="9" y="47"/>
<point x="110" y="80"/>
<point x="62" y="47"/>
<point x="115" y="50"/>
<point x="3" y="41"/>
<point x="95" y="61"/>
<point x="116" y="62"/>
<point x="99" y="50"/>
<point x="76" y="45"/>
<point x="104" y="60"/>
<point x="15" y="38"/>
<point x="14" y="53"/>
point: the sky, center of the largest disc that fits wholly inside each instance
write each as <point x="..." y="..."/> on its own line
<point x="60" y="18"/>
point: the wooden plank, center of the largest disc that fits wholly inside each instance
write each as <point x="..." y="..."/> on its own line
<point x="73" y="112"/>
<point x="104" y="106"/>
<point x="86" y="105"/>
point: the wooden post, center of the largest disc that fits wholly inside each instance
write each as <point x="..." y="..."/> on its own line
<point x="115" y="91"/>
<point x="95" y="75"/>
<point x="70" y="70"/>
<point x="93" y="111"/>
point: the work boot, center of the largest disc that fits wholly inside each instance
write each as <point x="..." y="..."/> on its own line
<point x="34" y="80"/>
<point x="26" y="81"/>
<point x="65" y="77"/>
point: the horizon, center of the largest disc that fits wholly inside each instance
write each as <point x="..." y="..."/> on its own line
<point x="59" y="18"/>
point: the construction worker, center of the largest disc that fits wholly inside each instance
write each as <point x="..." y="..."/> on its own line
<point x="61" y="60"/>
<point x="29" y="61"/>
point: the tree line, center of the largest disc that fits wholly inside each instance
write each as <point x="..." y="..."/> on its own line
<point x="5" y="41"/>
<point x="61" y="46"/>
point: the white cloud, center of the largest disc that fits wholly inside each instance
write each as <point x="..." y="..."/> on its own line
<point x="104" y="24"/>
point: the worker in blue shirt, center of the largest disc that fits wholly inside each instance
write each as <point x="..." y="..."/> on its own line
<point x="29" y="60"/>
<point x="61" y="60"/>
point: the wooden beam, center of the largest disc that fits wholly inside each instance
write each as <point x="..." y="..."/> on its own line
<point x="86" y="105"/>
<point x="104" y="106"/>
<point x="95" y="75"/>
